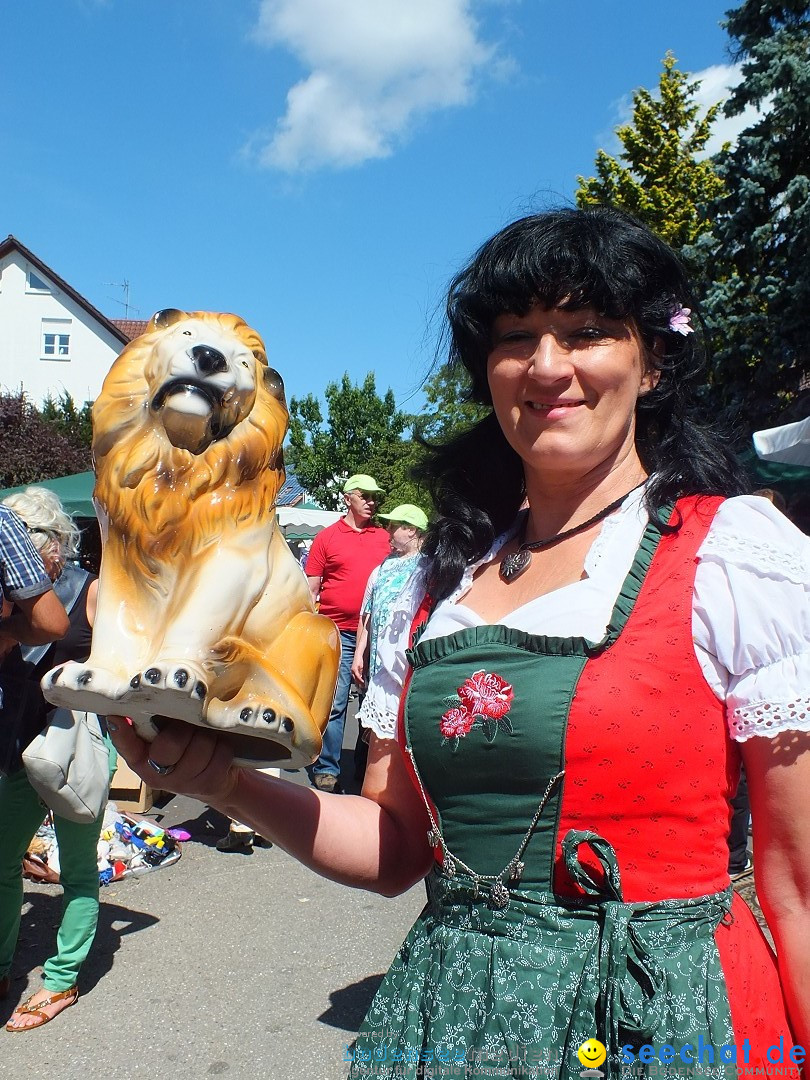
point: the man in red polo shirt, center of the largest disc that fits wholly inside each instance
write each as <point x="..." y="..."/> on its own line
<point x="340" y="561"/>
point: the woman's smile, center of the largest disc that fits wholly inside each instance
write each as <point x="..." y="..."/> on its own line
<point x="565" y="384"/>
<point x="555" y="410"/>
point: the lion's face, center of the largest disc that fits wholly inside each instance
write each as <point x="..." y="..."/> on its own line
<point x="202" y="382"/>
<point x="190" y="417"/>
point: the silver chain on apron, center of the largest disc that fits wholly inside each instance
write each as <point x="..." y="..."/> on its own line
<point x="499" y="895"/>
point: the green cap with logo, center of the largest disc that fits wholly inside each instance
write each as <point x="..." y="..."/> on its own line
<point x="362" y="482"/>
<point x="407" y="514"/>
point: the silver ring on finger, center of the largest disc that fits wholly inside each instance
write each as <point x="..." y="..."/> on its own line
<point x="161" y="770"/>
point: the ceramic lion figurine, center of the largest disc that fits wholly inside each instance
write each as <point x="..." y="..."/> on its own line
<point x="203" y="612"/>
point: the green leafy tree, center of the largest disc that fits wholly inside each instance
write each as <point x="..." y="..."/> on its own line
<point x="757" y="254"/>
<point x="448" y="409"/>
<point x="660" y="175"/>
<point x="392" y="470"/>
<point x="33" y="448"/>
<point x="362" y="432"/>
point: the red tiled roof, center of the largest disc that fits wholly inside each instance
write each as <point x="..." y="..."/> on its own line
<point x="131" y="327"/>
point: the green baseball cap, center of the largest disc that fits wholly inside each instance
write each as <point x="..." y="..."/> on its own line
<point x="408" y="514"/>
<point x="362" y="482"/>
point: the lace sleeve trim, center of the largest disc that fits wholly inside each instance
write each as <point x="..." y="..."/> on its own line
<point x="381" y="721"/>
<point x="767" y="719"/>
<point x="767" y="559"/>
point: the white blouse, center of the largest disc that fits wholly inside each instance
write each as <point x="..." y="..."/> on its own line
<point x="750" y="614"/>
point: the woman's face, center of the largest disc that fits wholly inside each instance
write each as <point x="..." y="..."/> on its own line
<point x="53" y="557"/>
<point x="564" y="387"/>
<point x="401" y="537"/>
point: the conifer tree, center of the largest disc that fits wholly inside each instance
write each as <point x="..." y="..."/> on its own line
<point x="659" y="175"/>
<point x="758" y="255"/>
<point x="34" y="448"/>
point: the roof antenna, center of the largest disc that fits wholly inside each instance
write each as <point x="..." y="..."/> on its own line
<point x="125" y="302"/>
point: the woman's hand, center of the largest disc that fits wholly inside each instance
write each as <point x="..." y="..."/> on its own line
<point x="376" y="841"/>
<point x="358" y="667"/>
<point x="183" y="758"/>
<point x="361" y="652"/>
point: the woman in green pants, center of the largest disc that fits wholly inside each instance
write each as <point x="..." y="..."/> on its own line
<point x="21" y="812"/>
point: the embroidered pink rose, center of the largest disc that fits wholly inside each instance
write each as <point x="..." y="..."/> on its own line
<point x="483" y="701"/>
<point x="486" y="695"/>
<point x="455" y="723"/>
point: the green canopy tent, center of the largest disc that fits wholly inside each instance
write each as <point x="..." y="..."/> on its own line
<point x="789" y="479"/>
<point x="76" y="495"/>
<point x="780" y="458"/>
<point x="75" y="492"/>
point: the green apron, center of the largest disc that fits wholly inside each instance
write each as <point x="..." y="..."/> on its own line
<point x="483" y="990"/>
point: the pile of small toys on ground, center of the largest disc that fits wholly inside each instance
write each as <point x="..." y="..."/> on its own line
<point x="127" y="846"/>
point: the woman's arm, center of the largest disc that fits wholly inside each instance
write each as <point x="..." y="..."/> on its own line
<point x="778" y="771"/>
<point x="361" y="651"/>
<point x="375" y="841"/>
<point x="92" y="602"/>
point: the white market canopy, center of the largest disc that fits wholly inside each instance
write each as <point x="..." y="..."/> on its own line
<point x="298" y="523"/>
<point x="787" y="445"/>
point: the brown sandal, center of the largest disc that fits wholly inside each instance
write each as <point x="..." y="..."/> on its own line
<point x="28" y="1009"/>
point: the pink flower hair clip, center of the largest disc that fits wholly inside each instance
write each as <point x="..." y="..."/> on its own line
<point x="679" y="321"/>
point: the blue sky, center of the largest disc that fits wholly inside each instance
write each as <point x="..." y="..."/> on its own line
<point x="320" y="167"/>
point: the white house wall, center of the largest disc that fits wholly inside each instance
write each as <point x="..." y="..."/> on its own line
<point x="22" y="365"/>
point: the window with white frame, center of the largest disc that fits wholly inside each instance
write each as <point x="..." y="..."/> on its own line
<point x="34" y="283"/>
<point x="56" y="339"/>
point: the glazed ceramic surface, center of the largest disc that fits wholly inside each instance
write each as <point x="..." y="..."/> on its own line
<point x="203" y="613"/>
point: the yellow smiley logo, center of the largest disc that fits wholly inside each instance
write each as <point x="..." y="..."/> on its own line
<point x="592" y="1053"/>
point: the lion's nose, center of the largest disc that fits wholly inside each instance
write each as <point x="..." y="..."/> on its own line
<point x="208" y="361"/>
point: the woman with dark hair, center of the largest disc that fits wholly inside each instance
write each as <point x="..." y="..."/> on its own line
<point x="602" y="626"/>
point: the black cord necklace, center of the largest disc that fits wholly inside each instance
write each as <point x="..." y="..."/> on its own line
<point x="519" y="561"/>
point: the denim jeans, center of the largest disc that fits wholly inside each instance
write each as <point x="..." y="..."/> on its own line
<point x="329" y="761"/>
<point x="738" y="834"/>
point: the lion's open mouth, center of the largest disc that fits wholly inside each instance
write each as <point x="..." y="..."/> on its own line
<point x="188" y="386"/>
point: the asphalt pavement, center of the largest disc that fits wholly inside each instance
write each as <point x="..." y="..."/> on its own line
<point x="245" y="967"/>
<point x="238" y="966"/>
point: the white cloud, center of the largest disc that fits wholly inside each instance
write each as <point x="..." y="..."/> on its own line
<point x="374" y="68"/>
<point x="716" y="83"/>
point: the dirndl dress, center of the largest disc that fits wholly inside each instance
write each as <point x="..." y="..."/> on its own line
<point x="579" y="793"/>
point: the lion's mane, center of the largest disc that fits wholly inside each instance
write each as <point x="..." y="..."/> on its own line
<point x="166" y="501"/>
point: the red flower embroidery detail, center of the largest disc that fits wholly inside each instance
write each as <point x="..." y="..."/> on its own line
<point x="486" y="695"/>
<point x="455" y="723"/>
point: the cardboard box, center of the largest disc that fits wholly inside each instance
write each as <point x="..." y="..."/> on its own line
<point x="129" y="792"/>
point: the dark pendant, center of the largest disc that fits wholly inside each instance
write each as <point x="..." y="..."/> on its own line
<point x="433" y="837"/>
<point x="514" y="565"/>
<point x="499" y="896"/>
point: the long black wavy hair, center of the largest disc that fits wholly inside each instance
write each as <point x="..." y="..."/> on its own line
<point x="598" y="257"/>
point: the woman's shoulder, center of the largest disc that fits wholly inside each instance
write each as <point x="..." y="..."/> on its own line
<point x="749" y="532"/>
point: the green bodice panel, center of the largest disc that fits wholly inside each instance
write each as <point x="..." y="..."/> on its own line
<point x="517" y="991"/>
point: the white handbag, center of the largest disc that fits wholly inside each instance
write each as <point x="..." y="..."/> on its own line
<point x="68" y="765"/>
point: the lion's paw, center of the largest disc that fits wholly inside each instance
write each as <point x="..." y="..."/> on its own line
<point x="84" y="687"/>
<point x="239" y="714"/>
<point x="264" y="723"/>
<point x="171" y="689"/>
